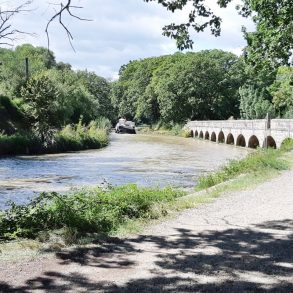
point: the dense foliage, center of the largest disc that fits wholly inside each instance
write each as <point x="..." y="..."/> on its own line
<point x="270" y="45"/>
<point x="178" y="87"/>
<point x="86" y="211"/>
<point x="35" y="105"/>
<point x="205" y="85"/>
<point x="271" y="93"/>
<point x="168" y="89"/>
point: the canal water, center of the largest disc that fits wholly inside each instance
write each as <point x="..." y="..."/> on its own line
<point x="142" y="159"/>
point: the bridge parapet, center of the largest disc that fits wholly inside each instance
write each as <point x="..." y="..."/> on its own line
<point x="282" y="124"/>
<point x="259" y="124"/>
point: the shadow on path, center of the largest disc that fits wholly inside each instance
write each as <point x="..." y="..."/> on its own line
<point x="258" y="259"/>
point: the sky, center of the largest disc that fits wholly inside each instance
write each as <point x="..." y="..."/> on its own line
<point x="120" y="31"/>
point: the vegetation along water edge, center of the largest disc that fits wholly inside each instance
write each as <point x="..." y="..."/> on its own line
<point x="80" y="216"/>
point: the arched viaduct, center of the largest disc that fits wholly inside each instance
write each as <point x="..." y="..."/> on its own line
<point x="245" y="133"/>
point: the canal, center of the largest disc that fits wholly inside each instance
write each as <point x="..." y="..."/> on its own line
<point x="142" y="159"/>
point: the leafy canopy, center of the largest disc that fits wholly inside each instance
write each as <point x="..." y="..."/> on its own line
<point x="271" y="41"/>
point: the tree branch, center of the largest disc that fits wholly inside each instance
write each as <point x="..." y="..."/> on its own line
<point x="6" y="30"/>
<point x="64" y="9"/>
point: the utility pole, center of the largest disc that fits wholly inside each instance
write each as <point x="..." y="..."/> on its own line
<point x="26" y="69"/>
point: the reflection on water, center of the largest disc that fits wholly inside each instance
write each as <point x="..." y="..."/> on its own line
<point x="145" y="160"/>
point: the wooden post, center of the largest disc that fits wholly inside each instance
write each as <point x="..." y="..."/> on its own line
<point x="26" y="69"/>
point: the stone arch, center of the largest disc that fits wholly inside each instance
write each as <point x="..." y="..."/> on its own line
<point x="213" y="137"/>
<point x="221" y="137"/>
<point x="191" y="133"/>
<point x="241" y="141"/>
<point x="253" y="142"/>
<point x="230" y="139"/>
<point x="207" y="135"/>
<point x="196" y="133"/>
<point x="201" y="134"/>
<point x="269" y="142"/>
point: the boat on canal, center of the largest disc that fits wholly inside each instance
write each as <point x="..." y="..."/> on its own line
<point x="124" y="126"/>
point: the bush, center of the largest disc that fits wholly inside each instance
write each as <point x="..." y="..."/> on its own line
<point x="85" y="211"/>
<point x="19" y="144"/>
<point x="11" y="116"/>
<point x="167" y="129"/>
<point x="70" y="138"/>
<point x="80" y="137"/>
<point x="187" y="133"/>
<point x="287" y="145"/>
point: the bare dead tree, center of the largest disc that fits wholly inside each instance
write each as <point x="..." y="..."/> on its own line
<point x="8" y="34"/>
<point x="65" y="9"/>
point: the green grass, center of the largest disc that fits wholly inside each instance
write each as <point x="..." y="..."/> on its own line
<point x="260" y="162"/>
<point x="85" y="211"/>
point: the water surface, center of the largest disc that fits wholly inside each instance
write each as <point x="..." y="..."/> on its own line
<point x="142" y="159"/>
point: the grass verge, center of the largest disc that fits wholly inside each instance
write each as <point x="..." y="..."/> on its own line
<point x="260" y="164"/>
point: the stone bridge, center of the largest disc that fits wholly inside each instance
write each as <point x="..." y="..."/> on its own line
<point x="245" y="133"/>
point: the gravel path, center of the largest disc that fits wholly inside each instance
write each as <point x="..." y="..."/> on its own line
<point x="242" y="242"/>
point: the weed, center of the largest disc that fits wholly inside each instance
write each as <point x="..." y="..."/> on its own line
<point x="84" y="211"/>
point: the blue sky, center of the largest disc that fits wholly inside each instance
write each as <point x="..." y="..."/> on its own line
<point x="120" y="30"/>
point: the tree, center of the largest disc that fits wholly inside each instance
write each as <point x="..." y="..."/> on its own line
<point x="99" y="88"/>
<point x="254" y="103"/>
<point x="272" y="41"/>
<point x="12" y="70"/>
<point x="282" y="92"/>
<point x="178" y="87"/>
<point x="200" y="85"/>
<point x="41" y="97"/>
<point x="7" y="31"/>
<point x="12" y="119"/>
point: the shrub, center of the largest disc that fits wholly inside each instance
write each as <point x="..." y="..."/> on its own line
<point x="79" y="137"/>
<point x="18" y="144"/>
<point x="85" y="211"/>
<point x="186" y="133"/>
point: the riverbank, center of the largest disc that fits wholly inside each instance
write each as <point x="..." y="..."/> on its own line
<point x="164" y="129"/>
<point x="239" y="242"/>
<point x="70" y="138"/>
<point x="145" y="160"/>
<point x="92" y="213"/>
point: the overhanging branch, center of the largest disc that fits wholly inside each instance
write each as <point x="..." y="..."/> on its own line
<point x="64" y="9"/>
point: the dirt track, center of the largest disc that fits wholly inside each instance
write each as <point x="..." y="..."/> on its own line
<point x="242" y="242"/>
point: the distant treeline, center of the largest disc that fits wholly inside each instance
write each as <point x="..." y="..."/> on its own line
<point x="206" y="85"/>
<point x="210" y="84"/>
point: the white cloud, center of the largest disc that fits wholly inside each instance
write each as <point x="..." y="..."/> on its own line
<point x="122" y="31"/>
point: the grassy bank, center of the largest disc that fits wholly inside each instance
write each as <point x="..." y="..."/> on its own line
<point x="83" y="215"/>
<point x="70" y="138"/>
<point x="84" y="211"/>
<point x="258" y="163"/>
